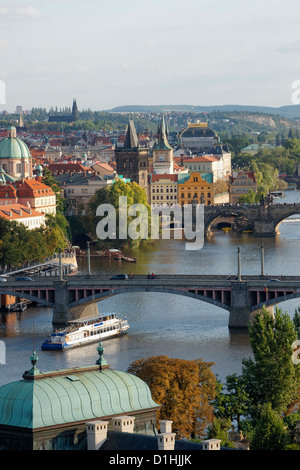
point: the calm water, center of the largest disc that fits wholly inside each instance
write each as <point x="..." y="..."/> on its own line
<point x="170" y="325"/>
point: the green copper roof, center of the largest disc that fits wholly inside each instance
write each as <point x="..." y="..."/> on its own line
<point x="67" y="396"/>
<point x="13" y="147"/>
<point x="162" y="137"/>
<point x="6" y="178"/>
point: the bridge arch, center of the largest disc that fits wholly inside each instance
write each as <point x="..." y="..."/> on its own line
<point x="27" y="296"/>
<point x="166" y="290"/>
<point x="281" y="219"/>
<point x="223" y="212"/>
<point x="275" y="301"/>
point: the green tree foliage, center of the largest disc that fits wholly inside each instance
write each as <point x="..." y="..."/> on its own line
<point x="49" y="180"/>
<point x="250" y="198"/>
<point x="269" y="432"/>
<point x="19" y="245"/>
<point x="232" y="403"/>
<point x="219" y="430"/>
<point x="110" y="195"/>
<point x="271" y="376"/>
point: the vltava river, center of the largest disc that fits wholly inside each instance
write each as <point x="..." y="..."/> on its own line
<point x="171" y="325"/>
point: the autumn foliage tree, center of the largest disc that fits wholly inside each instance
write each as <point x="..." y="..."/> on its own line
<point x="183" y="388"/>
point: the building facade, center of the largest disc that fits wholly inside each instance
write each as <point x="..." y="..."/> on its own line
<point x="201" y="141"/>
<point x="193" y="189"/>
<point x="241" y="183"/>
<point x="163" y="190"/>
<point x="199" y="138"/>
<point x="37" y="195"/>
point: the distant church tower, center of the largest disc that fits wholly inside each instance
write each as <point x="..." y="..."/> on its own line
<point x="132" y="159"/>
<point x="74" y="111"/>
<point x="162" y="151"/>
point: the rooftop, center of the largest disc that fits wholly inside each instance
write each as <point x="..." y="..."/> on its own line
<point x="54" y="398"/>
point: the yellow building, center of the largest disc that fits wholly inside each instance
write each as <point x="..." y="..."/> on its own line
<point x="194" y="188"/>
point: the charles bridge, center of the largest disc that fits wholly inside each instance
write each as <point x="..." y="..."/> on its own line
<point x="264" y="219"/>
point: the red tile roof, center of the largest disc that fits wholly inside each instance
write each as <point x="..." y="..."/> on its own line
<point x="68" y="168"/>
<point x="170" y="177"/>
<point x="33" y="188"/>
<point x="202" y="159"/>
<point x="18" y="212"/>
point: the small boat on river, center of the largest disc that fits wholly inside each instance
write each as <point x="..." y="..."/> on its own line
<point x="85" y="331"/>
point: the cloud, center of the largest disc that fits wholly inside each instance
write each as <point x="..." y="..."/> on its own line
<point x="28" y="12"/>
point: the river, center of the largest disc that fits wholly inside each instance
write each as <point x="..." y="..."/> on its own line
<point x="171" y="325"/>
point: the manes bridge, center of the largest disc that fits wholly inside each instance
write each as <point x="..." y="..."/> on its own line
<point x="77" y="295"/>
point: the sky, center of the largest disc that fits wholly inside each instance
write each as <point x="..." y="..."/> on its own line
<point x="155" y="52"/>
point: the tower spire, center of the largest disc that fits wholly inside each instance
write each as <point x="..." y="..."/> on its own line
<point x="131" y="139"/>
<point x="162" y="139"/>
<point x="74" y="110"/>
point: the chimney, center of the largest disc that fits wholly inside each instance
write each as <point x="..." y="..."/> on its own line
<point x="123" y="424"/>
<point x="166" y="438"/>
<point x="211" y="444"/>
<point x="96" y="432"/>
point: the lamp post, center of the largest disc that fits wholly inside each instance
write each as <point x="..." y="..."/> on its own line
<point x="262" y="260"/>
<point x="239" y="265"/>
<point x="60" y="267"/>
<point x="89" y="258"/>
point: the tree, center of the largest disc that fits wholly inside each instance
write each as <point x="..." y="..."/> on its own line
<point x="49" y="180"/>
<point x="110" y="195"/>
<point x="184" y="389"/>
<point x="250" y="198"/>
<point x="234" y="403"/>
<point x="271" y="377"/>
<point x="269" y="432"/>
<point x="219" y="430"/>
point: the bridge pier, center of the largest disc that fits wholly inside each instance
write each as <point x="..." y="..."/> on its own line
<point x="264" y="228"/>
<point x="239" y="313"/>
<point x="62" y="313"/>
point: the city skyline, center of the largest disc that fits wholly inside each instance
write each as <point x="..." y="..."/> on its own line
<point x="157" y="53"/>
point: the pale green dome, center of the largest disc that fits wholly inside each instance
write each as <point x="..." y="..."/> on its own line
<point x="13" y="147"/>
<point x="66" y="396"/>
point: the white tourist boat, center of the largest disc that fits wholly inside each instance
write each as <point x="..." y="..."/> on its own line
<point x="85" y="331"/>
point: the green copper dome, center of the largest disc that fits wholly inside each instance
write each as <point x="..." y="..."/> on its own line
<point x="67" y="396"/>
<point x="13" y="147"/>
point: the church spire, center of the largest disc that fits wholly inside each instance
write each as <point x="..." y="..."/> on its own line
<point x="162" y="136"/>
<point x="74" y="110"/>
<point x="131" y="139"/>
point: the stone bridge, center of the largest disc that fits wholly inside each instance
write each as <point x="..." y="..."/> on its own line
<point x="78" y="295"/>
<point x="265" y="220"/>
